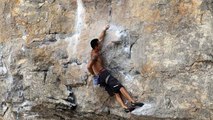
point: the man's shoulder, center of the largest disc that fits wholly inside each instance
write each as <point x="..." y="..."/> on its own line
<point x="94" y="53"/>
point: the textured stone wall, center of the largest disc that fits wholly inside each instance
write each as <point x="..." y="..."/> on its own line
<point x="164" y="58"/>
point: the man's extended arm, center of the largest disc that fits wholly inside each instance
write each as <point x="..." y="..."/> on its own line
<point x="103" y="33"/>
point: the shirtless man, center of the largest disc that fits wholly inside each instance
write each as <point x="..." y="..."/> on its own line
<point x="111" y="84"/>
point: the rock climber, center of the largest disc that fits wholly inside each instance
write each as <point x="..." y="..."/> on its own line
<point x="105" y="79"/>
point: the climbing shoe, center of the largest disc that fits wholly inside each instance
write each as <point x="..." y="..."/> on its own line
<point x="129" y="109"/>
<point x="137" y="104"/>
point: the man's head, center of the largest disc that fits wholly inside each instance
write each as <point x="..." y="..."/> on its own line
<point x="94" y="43"/>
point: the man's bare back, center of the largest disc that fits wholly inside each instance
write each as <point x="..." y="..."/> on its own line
<point x="98" y="62"/>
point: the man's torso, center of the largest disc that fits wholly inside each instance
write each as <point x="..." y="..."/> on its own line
<point x="98" y="65"/>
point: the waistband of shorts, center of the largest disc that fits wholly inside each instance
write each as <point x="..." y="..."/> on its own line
<point x="101" y="71"/>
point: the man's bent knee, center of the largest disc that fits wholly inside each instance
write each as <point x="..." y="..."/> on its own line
<point x="122" y="88"/>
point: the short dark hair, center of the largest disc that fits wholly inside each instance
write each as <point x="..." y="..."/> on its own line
<point x="94" y="43"/>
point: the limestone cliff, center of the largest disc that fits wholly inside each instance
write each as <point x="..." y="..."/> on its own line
<point x="164" y="58"/>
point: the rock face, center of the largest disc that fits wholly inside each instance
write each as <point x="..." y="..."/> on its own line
<point x="164" y="58"/>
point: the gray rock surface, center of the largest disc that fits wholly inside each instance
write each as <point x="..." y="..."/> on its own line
<point x="163" y="56"/>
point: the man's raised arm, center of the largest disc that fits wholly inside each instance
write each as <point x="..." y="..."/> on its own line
<point x="103" y="33"/>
